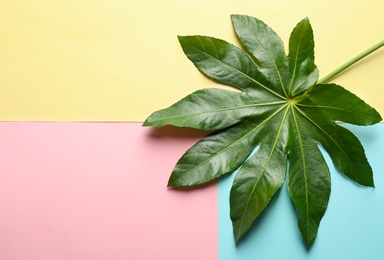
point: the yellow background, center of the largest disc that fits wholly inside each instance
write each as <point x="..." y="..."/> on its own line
<point x="99" y="60"/>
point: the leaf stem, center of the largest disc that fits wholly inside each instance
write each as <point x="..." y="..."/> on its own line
<point x="351" y="62"/>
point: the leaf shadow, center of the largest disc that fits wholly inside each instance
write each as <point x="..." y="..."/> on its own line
<point x="297" y="233"/>
<point x="239" y="42"/>
<point x="258" y="222"/>
<point x="169" y="132"/>
<point x="174" y="132"/>
<point x="361" y="132"/>
<point x="192" y="188"/>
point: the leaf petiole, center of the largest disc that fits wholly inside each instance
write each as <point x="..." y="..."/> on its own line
<point x="351" y="62"/>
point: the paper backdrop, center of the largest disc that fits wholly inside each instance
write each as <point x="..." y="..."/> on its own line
<point x="98" y="191"/>
<point x="352" y="227"/>
<point x="99" y="60"/>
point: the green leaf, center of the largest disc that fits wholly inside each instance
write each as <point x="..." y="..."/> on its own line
<point x="220" y="152"/>
<point x="203" y="161"/>
<point x="281" y="111"/>
<point x="344" y="148"/>
<point x="211" y="109"/>
<point x="224" y="62"/>
<point x="266" y="47"/>
<point x="301" y="57"/>
<point x="258" y="179"/>
<point x="340" y="104"/>
<point x="309" y="181"/>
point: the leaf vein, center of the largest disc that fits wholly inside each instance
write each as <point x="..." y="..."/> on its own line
<point x="224" y="109"/>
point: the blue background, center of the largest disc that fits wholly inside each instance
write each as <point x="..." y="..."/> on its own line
<point x="352" y="227"/>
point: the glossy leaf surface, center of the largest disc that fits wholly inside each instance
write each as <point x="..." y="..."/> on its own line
<point x="280" y="111"/>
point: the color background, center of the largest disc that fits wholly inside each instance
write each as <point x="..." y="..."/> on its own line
<point x="98" y="190"/>
<point x="99" y="60"/>
<point x="352" y="227"/>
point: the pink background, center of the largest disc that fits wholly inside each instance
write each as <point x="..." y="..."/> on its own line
<point x="98" y="191"/>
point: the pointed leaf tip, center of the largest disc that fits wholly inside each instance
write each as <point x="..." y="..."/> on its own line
<point x="303" y="71"/>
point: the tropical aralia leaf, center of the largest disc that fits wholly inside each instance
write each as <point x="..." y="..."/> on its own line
<point x="281" y="111"/>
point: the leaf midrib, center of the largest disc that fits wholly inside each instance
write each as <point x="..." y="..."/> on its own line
<point x="222" y="110"/>
<point x="333" y="108"/>
<point x="304" y="171"/>
<point x="296" y="58"/>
